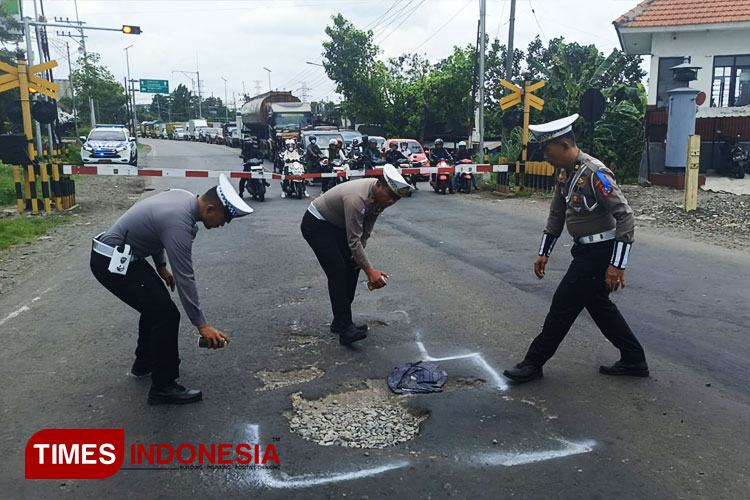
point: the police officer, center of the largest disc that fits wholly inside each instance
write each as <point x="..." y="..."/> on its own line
<point x="163" y="226"/>
<point x="588" y="201"/>
<point x="337" y="226"/>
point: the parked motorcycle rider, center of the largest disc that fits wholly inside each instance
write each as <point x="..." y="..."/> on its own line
<point x="278" y="148"/>
<point x="394" y="156"/>
<point x="249" y="151"/>
<point x="290" y="155"/>
<point x="371" y="155"/>
<point x="334" y="153"/>
<point x="313" y="155"/>
<point x="463" y="154"/>
<point x="406" y="152"/>
<point x="437" y="154"/>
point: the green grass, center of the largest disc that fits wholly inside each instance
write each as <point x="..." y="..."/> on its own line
<point x="7" y="185"/>
<point x="18" y="230"/>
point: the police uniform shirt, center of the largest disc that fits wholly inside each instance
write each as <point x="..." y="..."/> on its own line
<point x="349" y="206"/>
<point x="588" y="201"/>
<point x="162" y="226"/>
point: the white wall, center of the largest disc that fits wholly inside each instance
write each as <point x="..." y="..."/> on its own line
<point x="701" y="46"/>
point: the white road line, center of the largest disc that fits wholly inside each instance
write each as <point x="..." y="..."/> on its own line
<point x="512" y="458"/>
<point x="23" y="309"/>
<point x="497" y="381"/>
<point x="263" y="477"/>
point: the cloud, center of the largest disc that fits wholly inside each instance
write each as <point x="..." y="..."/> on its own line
<point x="236" y="39"/>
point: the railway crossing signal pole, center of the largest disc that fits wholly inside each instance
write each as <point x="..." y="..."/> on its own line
<point x="525" y="94"/>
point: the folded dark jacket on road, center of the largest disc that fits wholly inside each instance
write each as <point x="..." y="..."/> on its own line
<point x="417" y="378"/>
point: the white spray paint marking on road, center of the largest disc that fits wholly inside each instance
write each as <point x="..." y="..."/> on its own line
<point x="23" y="309"/>
<point x="497" y="381"/>
<point x="263" y="477"/>
<point x="408" y="319"/>
<point x="510" y="459"/>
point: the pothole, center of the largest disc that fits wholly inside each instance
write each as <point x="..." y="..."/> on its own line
<point x="372" y="417"/>
<point x="276" y="379"/>
<point x="462" y="383"/>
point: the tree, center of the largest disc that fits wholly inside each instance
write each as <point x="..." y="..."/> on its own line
<point x="94" y="80"/>
<point x="10" y="98"/>
<point x="349" y="60"/>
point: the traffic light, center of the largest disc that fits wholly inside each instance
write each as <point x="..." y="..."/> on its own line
<point x="131" y="30"/>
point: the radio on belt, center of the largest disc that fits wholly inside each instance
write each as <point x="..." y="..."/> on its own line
<point x="120" y="260"/>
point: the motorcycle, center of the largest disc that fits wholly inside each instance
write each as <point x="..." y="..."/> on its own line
<point x="739" y="162"/>
<point x="410" y="178"/>
<point x="294" y="187"/>
<point x="256" y="186"/>
<point x="441" y="182"/>
<point x="736" y="159"/>
<point x="339" y="168"/>
<point x="464" y="178"/>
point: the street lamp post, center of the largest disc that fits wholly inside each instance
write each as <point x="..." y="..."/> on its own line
<point x="269" y="78"/>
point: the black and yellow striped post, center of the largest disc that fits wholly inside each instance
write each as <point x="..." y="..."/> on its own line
<point x="19" y="188"/>
<point x="56" y="186"/>
<point x="32" y="203"/>
<point x="45" y="188"/>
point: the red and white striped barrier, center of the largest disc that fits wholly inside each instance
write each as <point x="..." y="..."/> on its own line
<point x="179" y="172"/>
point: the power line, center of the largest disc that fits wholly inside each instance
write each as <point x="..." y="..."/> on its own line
<point x="408" y="15"/>
<point x="537" y="23"/>
<point x="500" y="24"/>
<point x="450" y="20"/>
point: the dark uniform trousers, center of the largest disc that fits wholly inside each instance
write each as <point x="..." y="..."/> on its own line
<point x="332" y="250"/>
<point x="583" y="286"/>
<point x="143" y="290"/>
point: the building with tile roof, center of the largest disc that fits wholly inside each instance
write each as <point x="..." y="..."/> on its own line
<point x="711" y="34"/>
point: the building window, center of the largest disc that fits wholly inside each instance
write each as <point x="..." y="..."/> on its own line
<point x="666" y="81"/>
<point x="731" y="83"/>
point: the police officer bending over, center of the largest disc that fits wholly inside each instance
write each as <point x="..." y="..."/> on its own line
<point x="337" y="226"/>
<point x="163" y="226"/>
<point x="597" y="215"/>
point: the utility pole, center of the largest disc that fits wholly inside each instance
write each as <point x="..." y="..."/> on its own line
<point x="198" y="77"/>
<point x="509" y="58"/>
<point x="72" y="88"/>
<point x="30" y="59"/>
<point x="482" y="23"/>
<point x="226" y="103"/>
<point x="131" y="94"/>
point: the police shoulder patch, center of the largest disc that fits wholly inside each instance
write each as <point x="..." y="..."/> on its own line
<point x="602" y="183"/>
<point x="364" y="209"/>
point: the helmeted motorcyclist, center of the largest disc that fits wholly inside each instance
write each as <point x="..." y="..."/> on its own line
<point x="334" y="153"/>
<point x="250" y="151"/>
<point x="439" y="153"/>
<point x="394" y="156"/>
<point x="463" y="154"/>
<point x="404" y="148"/>
<point x="371" y="155"/>
<point x="290" y="155"/>
<point x="313" y="155"/>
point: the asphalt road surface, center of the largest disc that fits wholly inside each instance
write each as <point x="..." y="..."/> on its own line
<point x="462" y="290"/>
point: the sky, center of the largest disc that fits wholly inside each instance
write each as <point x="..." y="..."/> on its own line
<point x="236" y="39"/>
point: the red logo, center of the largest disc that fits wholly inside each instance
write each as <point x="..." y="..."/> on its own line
<point x="75" y="453"/>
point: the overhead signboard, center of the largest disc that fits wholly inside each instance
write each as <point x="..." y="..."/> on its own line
<point x="155" y="86"/>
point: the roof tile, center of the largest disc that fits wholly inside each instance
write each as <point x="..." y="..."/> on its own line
<point x="655" y="13"/>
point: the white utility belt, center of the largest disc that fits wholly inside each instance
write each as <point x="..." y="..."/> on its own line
<point x="118" y="260"/>
<point x="596" y="238"/>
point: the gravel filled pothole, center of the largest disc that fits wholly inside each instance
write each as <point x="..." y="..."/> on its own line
<point x="371" y="417"/>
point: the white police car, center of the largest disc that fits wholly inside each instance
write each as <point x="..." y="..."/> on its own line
<point x="109" y="144"/>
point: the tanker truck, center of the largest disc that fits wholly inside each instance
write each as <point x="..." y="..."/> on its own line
<point x="270" y="113"/>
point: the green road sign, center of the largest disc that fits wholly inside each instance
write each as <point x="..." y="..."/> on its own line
<point x="155" y="86"/>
